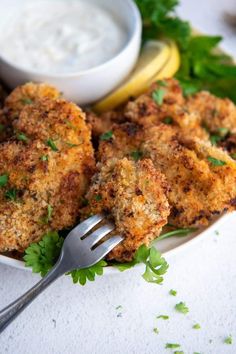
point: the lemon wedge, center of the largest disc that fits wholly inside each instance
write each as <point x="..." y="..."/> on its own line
<point x="172" y="65"/>
<point x="154" y="56"/>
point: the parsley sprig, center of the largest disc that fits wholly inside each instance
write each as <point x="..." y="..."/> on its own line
<point x="202" y="66"/>
<point x="43" y="255"/>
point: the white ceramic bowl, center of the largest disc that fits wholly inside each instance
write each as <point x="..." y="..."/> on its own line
<point x="88" y="86"/>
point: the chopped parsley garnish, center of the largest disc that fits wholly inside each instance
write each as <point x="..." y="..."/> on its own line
<point x="98" y="197"/>
<point x="228" y="340"/>
<point x="45" y="219"/>
<point x="156" y="330"/>
<point x="178" y="352"/>
<point x="136" y="155"/>
<point x="219" y="135"/>
<point x="3" y="180"/>
<point x="178" y="233"/>
<point x="162" y="83"/>
<point x="11" y="194"/>
<point x="158" y="96"/>
<point x="163" y="317"/>
<point x="172" y="345"/>
<point x="181" y="307"/>
<point x="2" y="127"/>
<point x="216" y="162"/>
<point x="106" y="136"/>
<point x="52" y="145"/>
<point x="233" y="156"/>
<point x="22" y="137"/>
<point x="42" y="256"/>
<point x="173" y="292"/>
<point x="197" y="326"/>
<point x="217" y="232"/>
<point x="168" y="120"/>
<point x="44" y="158"/>
<point x="119" y="307"/>
<point x="71" y="145"/>
<point x="26" y="101"/>
<point x="69" y="124"/>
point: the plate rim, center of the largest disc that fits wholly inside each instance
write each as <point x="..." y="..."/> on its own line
<point x="17" y="264"/>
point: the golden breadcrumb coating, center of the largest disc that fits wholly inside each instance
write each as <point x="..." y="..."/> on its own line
<point x="48" y="172"/>
<point x="26" y="95"/>
<point x="198" y="188"/>
<point x="18" y="99"/>
<point x="134" y="194"/>
<point x="215" y="112"/>
<point x="126" y="139"/>
<point x="103" y="123"/>
<point x="172" y="110"/>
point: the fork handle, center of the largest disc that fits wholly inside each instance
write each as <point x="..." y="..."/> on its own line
<point x="9" y="313"/>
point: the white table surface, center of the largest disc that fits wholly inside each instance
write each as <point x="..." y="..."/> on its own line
<point x="72" y="319"/>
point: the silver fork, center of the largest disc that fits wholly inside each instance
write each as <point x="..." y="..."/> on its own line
<point x="79" y="251"/>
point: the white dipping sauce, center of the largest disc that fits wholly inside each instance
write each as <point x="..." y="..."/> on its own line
<point x="61" y="36"/>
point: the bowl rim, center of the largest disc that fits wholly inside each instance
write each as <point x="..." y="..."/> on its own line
<point x="136" y="30"/>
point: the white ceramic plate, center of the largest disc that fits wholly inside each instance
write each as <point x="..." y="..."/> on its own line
<point x="166" y="246"/>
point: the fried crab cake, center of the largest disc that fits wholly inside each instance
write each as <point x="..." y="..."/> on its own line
<point x="202" y="178"/>
<point x="46" y="174"/>
<point x="134" y="194"/>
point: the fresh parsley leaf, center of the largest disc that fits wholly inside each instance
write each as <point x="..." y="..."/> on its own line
<point x="2" y="127"/>
<point x="156" y="265"/>
<point x="44" y="158"/>
<point x="228" y="340"/>
<point x="181" y="307"/>
<point x="11" y="194"/>
<point x="98" y="197"/>
<point x="159" y="18"/>
<point x="168" y="120"/>
<point x="156" y="330"/>
<point x="178" y="352"/>
<point x="197" y="326"/>
<point x="136" y="155"/>
<point x="22" y="137"/>
<point x="52" y="145"/>
<point x="177" y="233"/>
<point x="26" y="100"/>
<point x="202" y="67"/>
<point x="216" y="162"/>
<point x="158" y="96"/>
<point x="3" y="180"/>
<point x="172" y="345"/>
<point x="106" y="136"/>
<point x="163" y="317"/>
<point x="42" y="256"/>
<point x="82" y="275"/>
<point x="173" y="292"/>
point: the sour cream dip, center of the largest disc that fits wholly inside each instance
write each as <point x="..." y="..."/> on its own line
<point x="63" y="36"/>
